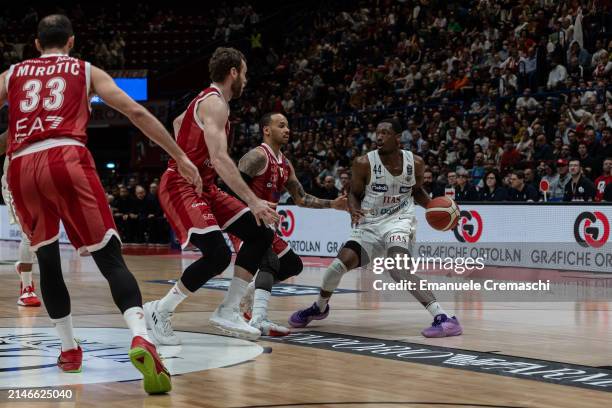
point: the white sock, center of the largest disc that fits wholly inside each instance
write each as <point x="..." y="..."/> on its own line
<point x="172" y="299"/>
<point x="26" y="278"/>
<point x="134" y="317"/>
<point x="65" y="332"/>
<point x="260" y="304"/>
<point x="234" y="294"/>
<point x="435" y="309"/>
<point x="322" y="303"/>
<point x="251" y="286"/>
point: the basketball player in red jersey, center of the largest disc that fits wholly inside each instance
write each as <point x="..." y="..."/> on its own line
<point x="203" y="131"/>
<point x="268" y="172"/>
<point x="52" y="177"/>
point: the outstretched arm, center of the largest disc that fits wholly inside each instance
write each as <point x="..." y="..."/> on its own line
<point x="216" y="141"/>
<point x="302" y="199"/>
<point x="105" y="87"/>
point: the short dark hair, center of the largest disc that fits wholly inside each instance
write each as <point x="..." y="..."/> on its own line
<point x="266" y="119"/>
<point x="222" y="62"/>
<point x="495" y="174"/>
<point x="54" y="31"/>
<point x="520" y="174"/>
<point x="395" y="124"/>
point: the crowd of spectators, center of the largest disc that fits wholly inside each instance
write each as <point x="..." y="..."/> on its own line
<point x="137" y="212"/>
<point x="134" y="35"/>
<point x="494" y="95"/>
<point x="519" y="87"/>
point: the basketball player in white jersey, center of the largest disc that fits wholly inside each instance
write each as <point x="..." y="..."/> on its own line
<point x="385" y="185"/>
<point x="25" y="261"/>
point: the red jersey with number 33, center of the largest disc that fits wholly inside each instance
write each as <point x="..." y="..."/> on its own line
<point x="270" y="184"/>
<point x="48" y="98"/>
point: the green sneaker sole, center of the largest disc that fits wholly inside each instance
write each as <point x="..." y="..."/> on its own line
<point x="144" y="362"/>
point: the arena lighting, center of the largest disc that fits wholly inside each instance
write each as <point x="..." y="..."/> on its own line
<point x="111" y="165"/>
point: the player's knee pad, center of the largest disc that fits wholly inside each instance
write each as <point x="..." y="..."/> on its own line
<point x="123" y="285"/>
<point x="213" y="246"/>
<point x="362" y="255"/>
<point x="333" y="275"/>
<point x="216" y="256"/>
<point x="25" y="255"/>
<point x="270" y="262"/>
<point x="264" y="280"/>
<point x="290" y="265"/>
<point x="250" y="255"/>
<point x="248" y="231"/>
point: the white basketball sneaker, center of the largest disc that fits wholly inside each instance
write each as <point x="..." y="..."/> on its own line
<point x="160" y="325"/>
<point x="230" y="322"/>
<point x="268" y="328"/>
<point x="246" y="304"/>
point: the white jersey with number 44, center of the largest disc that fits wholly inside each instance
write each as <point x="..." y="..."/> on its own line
<point x="386" y="195"/>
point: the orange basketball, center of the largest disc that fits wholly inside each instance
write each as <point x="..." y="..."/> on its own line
<point x="442" y="213"/>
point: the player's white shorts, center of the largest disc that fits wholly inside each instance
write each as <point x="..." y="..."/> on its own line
<point x="377" y="237"/>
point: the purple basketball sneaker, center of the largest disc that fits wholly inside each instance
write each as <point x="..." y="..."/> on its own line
<point x="302" y="317"/>
<point x="443" y="326"/>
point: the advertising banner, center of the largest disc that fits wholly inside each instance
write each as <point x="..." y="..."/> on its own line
<point x="569" y="237"/>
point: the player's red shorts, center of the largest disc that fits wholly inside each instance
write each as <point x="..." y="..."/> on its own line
<point x="61" y="183"/>
<point x="191" y="213"/>
<point x="279" y="245"/>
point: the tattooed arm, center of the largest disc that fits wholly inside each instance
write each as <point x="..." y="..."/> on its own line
<point x="252" y="164"/>
<point x="302" y="199"/>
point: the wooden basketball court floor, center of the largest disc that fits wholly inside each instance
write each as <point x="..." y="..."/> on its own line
<point x="292" y="375"/>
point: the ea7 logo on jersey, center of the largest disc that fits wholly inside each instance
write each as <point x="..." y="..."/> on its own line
<point x="405" y="190"/>
<point x="25" y="129"/>
<point x="380" y="188"/>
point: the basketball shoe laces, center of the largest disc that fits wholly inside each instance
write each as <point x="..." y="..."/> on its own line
<point x="438" y="320"/>
<point x="28" y="290"/>
<point x="306" y="312"/>
<point x="166" y="326"/>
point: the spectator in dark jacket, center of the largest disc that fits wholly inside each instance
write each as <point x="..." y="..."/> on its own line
<point x="521" y="191"/>
<point x="126" y="215"/>
<point x="608" y="193"/>
<point x="329" y="190"/>
<point x="579" y="188"/>
<point x="430" y="187"/>
<point x="542" y="150"/>
<point x="493" y="190"/>
<point x="157" y="225"/>
<point x="464" y="191"/>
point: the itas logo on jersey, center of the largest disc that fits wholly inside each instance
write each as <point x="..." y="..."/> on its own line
<point x="392" y="199"/>
<point x="380" y="188"/>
